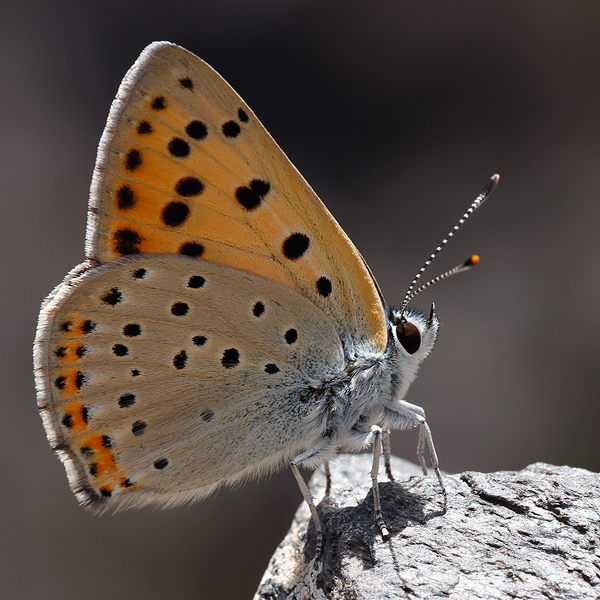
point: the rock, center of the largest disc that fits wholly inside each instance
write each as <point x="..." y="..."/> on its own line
<point x="526" y="534"/>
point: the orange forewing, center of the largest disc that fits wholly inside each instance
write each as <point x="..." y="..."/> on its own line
<point x="184" y="166"/>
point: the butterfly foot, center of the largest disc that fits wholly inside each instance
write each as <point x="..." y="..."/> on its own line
<point x="388" y="472"/>
<point x="443" y="488"/>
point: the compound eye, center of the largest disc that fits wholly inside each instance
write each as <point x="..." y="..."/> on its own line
<point x="409" y="336"/>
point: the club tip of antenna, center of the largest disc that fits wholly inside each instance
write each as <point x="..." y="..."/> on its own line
<point x="493" y="182"/>
<point x="471" y="261"/>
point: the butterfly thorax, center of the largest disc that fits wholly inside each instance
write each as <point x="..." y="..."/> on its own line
<point x="361" y="395"/>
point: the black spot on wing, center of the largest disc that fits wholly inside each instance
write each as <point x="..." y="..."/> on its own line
<point x="179" y="309"/>
<point x="87" y="327"/>
<point x="159" y="103"/>
<point x="126" y="241"/>
<point x="120" y="350"/>
<point x="231" y="129"/>
<point x="207" y="415"/>
<point x="189" y="186"/>
<point x="196" y="130"/>
<point x="126" y="400"/>
<point x="132" y="330"/>
<point x="192" y="249"/>
<point x="180" y="360"/>
<point x="231" y="358"/>
<point x="196" y="281"/>
<point x="125" y="198"/>
<point x="133" y="160"/>
<point x="251" y="196"/>
<point x="175" y="214"/>
<point x="178" y="147"/>
<point x="113" y="297"/>
<point x="324" y="287"/>
<point x="138" y="428"/>
<point x="295" y="246"/>
<point x="80" y="379"/>
<point x="144" y="128"/>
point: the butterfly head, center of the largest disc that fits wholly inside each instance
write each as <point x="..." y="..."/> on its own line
<point x="412" y="337"/>
<point x="413" y="333"/>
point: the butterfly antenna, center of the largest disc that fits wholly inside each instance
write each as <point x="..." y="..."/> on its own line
<point x="470" y="262"/>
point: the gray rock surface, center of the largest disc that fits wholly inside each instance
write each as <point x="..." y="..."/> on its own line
<point x="527" y="534"/>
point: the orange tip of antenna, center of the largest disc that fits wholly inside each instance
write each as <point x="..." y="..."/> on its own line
<point x="472" y="260"/>
<point x="489" y="188"/>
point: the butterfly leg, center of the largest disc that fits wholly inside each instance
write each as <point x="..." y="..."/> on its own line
<point x="387" y="451"/>
<point x="310" y="457"/>
<point x="377" y="445"/>
<point x="421" y="451"/>
<point x="327" y="479"/>
<point x="311" y="505"/>
<point x="405" y="415"/>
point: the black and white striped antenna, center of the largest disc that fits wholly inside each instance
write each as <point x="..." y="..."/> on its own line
<point x="465" y="266"/>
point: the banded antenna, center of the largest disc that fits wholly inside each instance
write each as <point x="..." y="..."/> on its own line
<point x="465" y="266"/>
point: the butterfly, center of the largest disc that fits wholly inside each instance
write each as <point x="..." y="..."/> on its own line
<point x="222" y="325"/>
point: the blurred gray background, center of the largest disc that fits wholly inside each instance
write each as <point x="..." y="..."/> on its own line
<point x="397" y="113"/>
